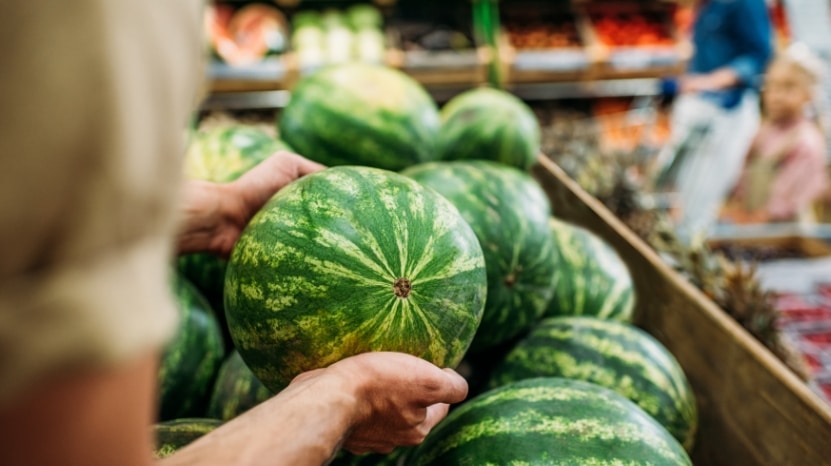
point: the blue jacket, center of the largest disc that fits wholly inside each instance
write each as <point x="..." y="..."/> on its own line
<point x="735" y="34"/>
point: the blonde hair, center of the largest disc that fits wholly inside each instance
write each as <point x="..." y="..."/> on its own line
<point x="799" y="56"/>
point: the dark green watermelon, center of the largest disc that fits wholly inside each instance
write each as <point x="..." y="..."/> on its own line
<point x="614" y="355"/>
<point x="359" y="114"/>
<point x="489" y="124"/>
<point x="176" y="434"/>
<point x="549" y="421"/>
<point x="350" y="260"/>
<point x="192" y="358"/>
<point x="509" y="213"/>
<point x="237" y="390"/>
<point x="591" y="279"/>
<point x="396" y="458"/>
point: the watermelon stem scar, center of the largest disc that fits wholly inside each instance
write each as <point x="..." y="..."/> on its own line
<point x="402" y="288"/>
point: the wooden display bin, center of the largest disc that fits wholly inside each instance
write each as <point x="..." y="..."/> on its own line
<point x="753" y="410"/>
<point x="442" y="67"/>
<point x="636" y="61"/>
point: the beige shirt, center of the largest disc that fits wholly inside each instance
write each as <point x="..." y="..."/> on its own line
<point x="95" y="95"/>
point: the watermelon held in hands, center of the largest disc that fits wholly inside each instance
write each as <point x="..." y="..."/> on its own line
<point x="236" y="390"/>
<point x="614" y="355"/>
<point x="191" y="360"/>
<point x="547" y="421"/>
<point x="359" y="114"/>
<point x="492" y="125"/>
<point x="591" y="279"/>
<point x="351" y="260"/>
<point x="179" y="433"/>
<point x="509" y="213"/>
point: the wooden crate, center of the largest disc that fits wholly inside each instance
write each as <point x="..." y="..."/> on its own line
<point x="753" y="410"/>
<point x="807" y="246"/>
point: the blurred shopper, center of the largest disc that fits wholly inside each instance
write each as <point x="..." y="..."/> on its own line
<point x="717" y="114"/>
<point x="785" y="170"/>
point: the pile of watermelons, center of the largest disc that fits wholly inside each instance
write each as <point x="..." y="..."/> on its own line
<point x="455" y="258"/>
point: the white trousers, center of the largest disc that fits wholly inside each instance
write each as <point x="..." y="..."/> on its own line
<point x="711" y="170"/>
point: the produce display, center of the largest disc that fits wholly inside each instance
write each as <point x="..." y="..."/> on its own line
<point x="492" y="125"/>
<point x="335" y="36"/>
<point x="359" y="114"/>
<point x="350" y="260"/>
<point x="245" y="36"/>
<point x="429" y="37"/>
<point x="613" y="355"/>
<point x="191" y="359"/>
<point x="549" y="421"/>
<point x="509" y="213"/>
<point x="628" y="29"/>
<point x="543" y="34"/>
<point x="591" y="279"/>
<point x="178" y="433"/>
<point x="236" y="390"/>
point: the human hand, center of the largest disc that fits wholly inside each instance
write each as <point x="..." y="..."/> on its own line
<point x="216" y="214"/>
<point x="399" y="398"/>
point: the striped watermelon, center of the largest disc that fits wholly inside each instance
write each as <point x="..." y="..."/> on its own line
<point x="549" y="421"/>
<point x="237" y="390"/>
<point x="223" y="153"/>
<point x="176" y="434"/>
<point x="191" y="360"/>
<point x="509" y="213"/>
<point x="489" y="124"/>
<point x="612" y="354"/>
<point x="363" y="115"/>
<point x="396" y="458"/>
<point x="591" y="279"/>
<point x="350" y="260"/>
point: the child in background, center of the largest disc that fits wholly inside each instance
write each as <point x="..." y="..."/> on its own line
<point x="785" y="169"/>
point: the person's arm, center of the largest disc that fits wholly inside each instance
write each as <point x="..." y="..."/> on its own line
<point x="367" y="403"/>
<point x="213" y="215"/>
<point x="752" y="32"/>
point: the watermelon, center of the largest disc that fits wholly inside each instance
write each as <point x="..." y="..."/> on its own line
<point x="360" y="114"/>
<point x="591" y="279"/>
<point x="615" y="355"/>
<point x="191" y="360"/>
<point x="178" y="433"/>
<point x="509" y="212"/>
<point x="237" y="390"/>
<point x="350" y="260"/>
<point x="225" y="152"/>
<point x="396" y="458"/>
<point x="548" y="421"/>
<point x="489" y="124"/>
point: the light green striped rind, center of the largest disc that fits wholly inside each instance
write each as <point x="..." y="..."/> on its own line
<point x="489" y="124"/>
<point x="236" y="390"/>
<point x="614" y="355"/>
<point x="509" y="213"/>
<point x="225" y="153"/>
<point x="358" y="114"/>
<point x="549" y="421"/>
<point x="176" y="434"/>
<point x="191" y="360"/>
<point x="591" y="279"/>
<point x="311" y="279"/>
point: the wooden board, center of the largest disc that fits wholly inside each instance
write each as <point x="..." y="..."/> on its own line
<point x="809" y="247"/>
<point x="753" y="410"/>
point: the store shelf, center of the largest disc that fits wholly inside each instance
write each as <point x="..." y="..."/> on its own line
<point x="271" y="99"/>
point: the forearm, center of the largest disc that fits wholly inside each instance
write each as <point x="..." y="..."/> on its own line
<point x="303" y="426"/>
